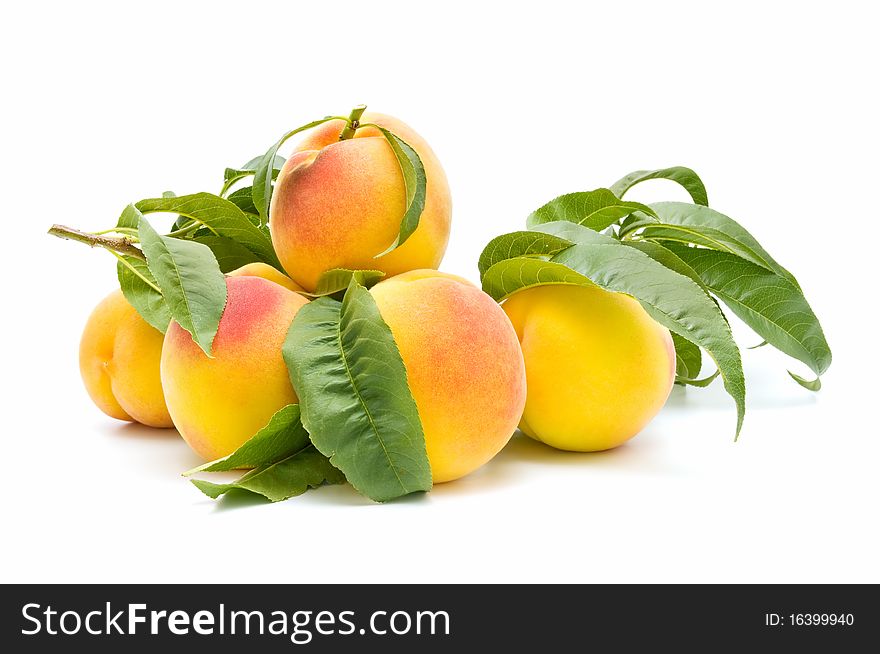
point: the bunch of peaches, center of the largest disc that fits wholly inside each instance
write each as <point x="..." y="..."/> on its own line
<point x="577" y="368"/>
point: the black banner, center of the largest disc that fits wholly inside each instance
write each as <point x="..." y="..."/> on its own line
<point x="436" y="618"/>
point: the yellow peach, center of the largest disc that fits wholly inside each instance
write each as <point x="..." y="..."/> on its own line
<point x="338" y="204"/>
<point x="218" y="403"/>
<point x="463" y="364"/>
<point x="119" y="362"/>
<point x="599" y="368"/>
<point x="266" y="271"/>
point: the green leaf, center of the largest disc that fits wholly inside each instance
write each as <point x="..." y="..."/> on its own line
<point x="664" y="255"/>
<point x="688" y="358"/>
<point x="415" y="182"/>
<point x="283" y="436"/>
<point x="634" y="222"/>
<point x="135" y="279"/>
<point x="707" y="237"/>
<point x="809" y="384"/>
<point x="190" y="280"/>
<point x="181" y="221"/>
<point x="243" y="198"/>
<point x="219" y="217"/>
<point x="673" y="300"/>
<point x="689" y="223"/>
<point x="594" y="209"/>
<point x="611" y="231"/>
<point x="337" y="280"/>
<point x="355" y="399"/>
<point x="688" y="362"/>
<point x="230" y="254"/>
<point x="130" y="218"/>
<point x="511" y="275"/>
<point x="142" y="291"/>
<point x="231" y="175"/>
<point x="279" y="481"/>
<point x="700" y="383"/>
<point x="264" y="170"/>
<point x="519" y="244"/>
<point x="767" y="302"/>
<point x="686" y="177"/>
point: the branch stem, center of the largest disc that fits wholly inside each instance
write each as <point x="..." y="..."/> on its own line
<point x="121" y="244"/>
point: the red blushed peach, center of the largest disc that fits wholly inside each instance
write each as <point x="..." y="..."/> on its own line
<point x="338" y="204"/>
<point x="463" y="364"/>
<point x="218" y="403"/>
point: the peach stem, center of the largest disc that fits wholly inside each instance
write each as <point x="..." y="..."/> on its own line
<point x="353" y="122"/>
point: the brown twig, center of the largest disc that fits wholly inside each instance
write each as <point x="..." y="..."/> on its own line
<point x="119" y="244"/>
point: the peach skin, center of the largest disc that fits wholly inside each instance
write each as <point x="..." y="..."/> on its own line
<point x="119" y="362"/>
<point x="266" y="271"/>
<point x="219" y="403"/>
<point x="339" y="203"/>
<point x="463" y="364"/>
<point x="598" y="366"/>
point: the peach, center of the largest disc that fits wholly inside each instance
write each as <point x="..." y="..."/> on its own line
<point x="218" y="403"/>
<point x="599" y="368"/>
<point x="266" y="271"/>
<point x="463" y="364"/>
<point x="119" y="362"/>
<point x="338" y="204"/>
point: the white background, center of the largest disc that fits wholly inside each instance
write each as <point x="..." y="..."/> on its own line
<point x="774" y="104"/>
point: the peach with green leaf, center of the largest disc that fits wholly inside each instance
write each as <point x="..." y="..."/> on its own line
<point x="341" y="196"/>
<point x="599" y="368"/>
<point x="463" y="364"/>
<point x="219" y="402"/>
